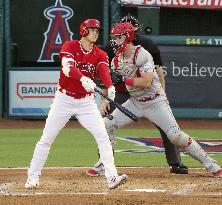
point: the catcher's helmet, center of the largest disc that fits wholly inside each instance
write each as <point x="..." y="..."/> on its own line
<point x="133" y="20"/>
<point x="126" y="29"/>
<point x="89" y="23"/>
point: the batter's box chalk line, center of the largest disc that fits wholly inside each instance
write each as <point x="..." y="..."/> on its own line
<point x="145" y="190"/>
<point x="4" y="188"/>
<point x="187" y="189"/>
<point x="192" y="189"/>
<point x="53" y="193"/>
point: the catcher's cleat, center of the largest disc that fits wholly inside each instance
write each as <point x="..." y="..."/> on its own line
<point x="32" y="183"/>
<point x="117" y="181"/>
<point x="178" y="169"/>
<point x="93" y="173"/>
<point x="218" y="173"/>
<point x="97" y="170"/>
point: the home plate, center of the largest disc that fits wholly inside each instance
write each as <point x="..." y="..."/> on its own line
<point x="146" y="190"/>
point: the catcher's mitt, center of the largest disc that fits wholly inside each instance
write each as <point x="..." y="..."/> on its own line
<point x="117" y="78"/>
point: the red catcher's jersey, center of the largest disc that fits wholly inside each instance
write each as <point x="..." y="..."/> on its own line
<point x="90" y="64"/>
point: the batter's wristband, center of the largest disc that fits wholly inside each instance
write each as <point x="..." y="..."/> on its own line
<point x="129" y="81"/>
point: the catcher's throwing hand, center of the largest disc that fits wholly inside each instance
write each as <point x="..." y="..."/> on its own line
<point x="104" y="107"/>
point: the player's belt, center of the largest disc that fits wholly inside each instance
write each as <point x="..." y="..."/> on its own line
<point x="146" y="99"/>
<point x="74" y="95"/>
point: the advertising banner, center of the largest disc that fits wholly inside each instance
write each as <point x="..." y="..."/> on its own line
<point x="31" y="92"/>
<point x="197" y="4"/>
<point x="193" y="85"/>
<point x="193" y="76"/>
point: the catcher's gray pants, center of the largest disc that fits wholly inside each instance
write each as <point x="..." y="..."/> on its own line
<point x="172" y="151"/>
<point x="159" y="113"/>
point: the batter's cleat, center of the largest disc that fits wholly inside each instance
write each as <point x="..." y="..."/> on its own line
<point x="117" y="181"/>
<point x="32" y="183"/>
<point x="93" y="173"/>
<point x="97" y="170"/>
<point x="218" y="173"/>
<point x="178" y="169"/>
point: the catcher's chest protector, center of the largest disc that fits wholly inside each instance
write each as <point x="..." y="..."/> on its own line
<point x="128" y="68"/>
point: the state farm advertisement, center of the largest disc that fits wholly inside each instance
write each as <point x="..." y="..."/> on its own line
<point x="31" y="92"/>
<point x="198" y="4"/>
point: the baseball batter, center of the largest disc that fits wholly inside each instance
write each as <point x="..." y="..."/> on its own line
<point x="81" y="62"/>
<point x="148" y="98"/>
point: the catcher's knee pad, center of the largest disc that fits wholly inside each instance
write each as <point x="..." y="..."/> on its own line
<point x="177" y="136"/>
<point x="110" y="128"/>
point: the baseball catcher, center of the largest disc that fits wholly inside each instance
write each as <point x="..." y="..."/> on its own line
<point x="148" y="99"/>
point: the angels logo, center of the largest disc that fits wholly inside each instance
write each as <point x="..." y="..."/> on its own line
<point x="58" y="30"/>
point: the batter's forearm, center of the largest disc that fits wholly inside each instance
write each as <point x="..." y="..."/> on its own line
<point x="75" y="73"/>
<point x="105" y="76"/>
<point x="69" y="69"/>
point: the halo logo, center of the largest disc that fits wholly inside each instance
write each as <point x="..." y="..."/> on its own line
<point x="58" y="30"/>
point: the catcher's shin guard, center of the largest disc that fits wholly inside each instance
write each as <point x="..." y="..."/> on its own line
<point x="196" y="152"/>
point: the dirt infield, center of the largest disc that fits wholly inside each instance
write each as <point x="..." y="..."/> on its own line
<point x="144" y="186"/>
<point x="141" y="124"/>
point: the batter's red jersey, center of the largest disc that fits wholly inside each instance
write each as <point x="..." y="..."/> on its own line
<point x="91" y="64"/>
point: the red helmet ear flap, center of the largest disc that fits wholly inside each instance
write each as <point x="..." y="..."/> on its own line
<point x="83" y="30"/>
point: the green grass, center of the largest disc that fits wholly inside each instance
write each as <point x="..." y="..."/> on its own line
<point x="76" y="147"/>
<point x="158" y="159"/>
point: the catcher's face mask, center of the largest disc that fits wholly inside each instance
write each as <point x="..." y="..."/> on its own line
<point x="119" y="39"/>
<point x="121" y="35"/>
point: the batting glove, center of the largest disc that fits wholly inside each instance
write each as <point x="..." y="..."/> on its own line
<point x="87" y="84"/>
<point x="111" y="92"/>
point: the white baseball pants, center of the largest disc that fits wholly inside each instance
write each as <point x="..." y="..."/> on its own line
<point x="88" y="115"/>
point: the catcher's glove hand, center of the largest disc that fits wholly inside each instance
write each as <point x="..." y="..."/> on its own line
<point x="117" y="78"/>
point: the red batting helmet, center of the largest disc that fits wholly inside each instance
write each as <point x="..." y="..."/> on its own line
<point x="124" y="28"/>
<point x="89" y="23"/>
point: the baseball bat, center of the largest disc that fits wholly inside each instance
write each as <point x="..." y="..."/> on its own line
<point x="117" y="105"/>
